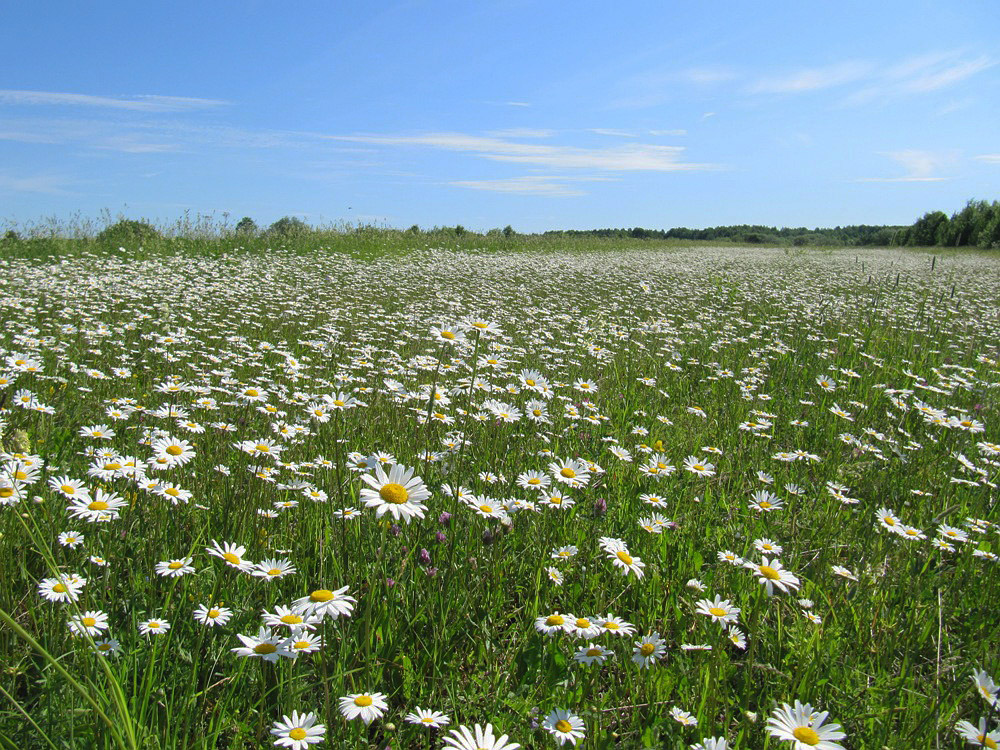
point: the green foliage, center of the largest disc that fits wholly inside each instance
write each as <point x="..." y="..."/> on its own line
<point x="246" y="226"/>
<point x="129" y="233"/>
<point x="288" y="227"/>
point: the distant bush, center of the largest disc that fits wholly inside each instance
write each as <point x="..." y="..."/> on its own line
<point x="11" y="236"/>
<point x="246" y="225"/>
<point x="288" y="226"/>
<point x="129" y="232"/>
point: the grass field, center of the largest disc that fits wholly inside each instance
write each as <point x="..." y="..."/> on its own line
<point x="728" y="478"/>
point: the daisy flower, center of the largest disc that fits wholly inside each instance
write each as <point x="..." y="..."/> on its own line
<point x="175" y="568"/>
<point x="720" y="610"/>
<point x="590" y="653"/>
<point x="563" y="553"/>
<point x="71" y="539"/>
<point x="231" y="553"/>
<point x="427" y="718"/>
<point x="571" y="472"/>
<point x="272" y="568"/>
<point x="583" y="627"/>
<point x="91" y="622"/>
<point x="364" y="706"/>
<point x="463" y="738"/>
<point x="711" y="743"/>
<point x="699" y="466"/>
<point x="564" y="725"/>
<point x="978" y="735"/>
<point x="553" y="624"/>
<point x="326" y="603"/>
<point x="212" y="616"/>
<point x="616" y="625"/>
<point x="399" y="493"/>
<point x="58" y="590"/>
<point x="737" y="638"/>
<point x="771" y="574"/>
<point x="730" y="557"/>
<point x="108" y="646"/>
<point x="266" y="645"/>
<point x="683" y="717"/>
<point x="298" y="731"/>
<point x="986" y="687"/>
<point x="767" y="546"/>
<point x="154" y="627"/>
<point x="302" y="642"/>
<point x="804" y="728"/>
<point x="649" y="650"/>
<point x="840" y="570"/>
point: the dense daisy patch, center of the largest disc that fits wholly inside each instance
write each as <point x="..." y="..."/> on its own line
<point x="637" y="498"/>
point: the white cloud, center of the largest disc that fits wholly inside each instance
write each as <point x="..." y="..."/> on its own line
<point x="811" y="79"/>
<point x="920" y="166"/>
<point x="522" y="133"/>
<point x="45" y="184"/>
<point x="989" y="158"/>
<point x="632" y="157"/>
<point x="613" y="132"/>
<point x="677" y="131"/>
<point x="141" y="103"/>
<point x="532" y="185"/>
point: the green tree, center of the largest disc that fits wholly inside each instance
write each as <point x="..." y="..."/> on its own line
<point x="129" y="232"/>
<point x="288" y="226"/>
<point x="246" y="225"/>
<point x="926" y="231"/>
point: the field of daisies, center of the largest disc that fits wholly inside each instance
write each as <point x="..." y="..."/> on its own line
<point x="473" y="499"/>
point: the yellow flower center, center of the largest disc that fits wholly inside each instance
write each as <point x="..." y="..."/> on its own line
<point x="274" y="572"/>
<point x="112" y="466"/>
<point x="298" y="733"/>
<point x="68" y="489"/>
<point x="394" y="493"/>
<point x="567" y="472"/>
<point x="250" y="392"/>
<point x="806" y="735"/>
<point x="609" y="625"/>
<point x="265" y="648"/>
<point x="889" y="520"/>
<point x="536" y="412"/>
<point x="555" y="500"/>
<point x="448" y="335"/>
<point x="263" y="448"/>
<point x="647" y="649"/>
<point x="213" y="613"/>
<point x="291" y="619"/>
<point x="176" y="565"/>
<point x="624" y="556"/>
<point x="486" y="508"/>
<point x="172" y="491"/>
<point x="768" y="572"/>
<point x="534" y="480"/>
<point x="20" y="474"/>
<point x="103" y="646"/>
<point x="479" y="324"/>
<point x="229" y="557"/>
<point x="89" y="621"/>
<point x="697" y="467"/>
<point x="582" y="622"/>
<point x="765" y="504"/>
<point x="563" y="726"/>
<point x="6" y="491"/>
<point x="363" y="701"/>
<point x="717" y="611"/>
<point x="595" y="651"/>
<point x="553" y="620"/>
<point x="60" y="588"/>
<point x="338" y="402"/>
<point x="988" y="741"/>
<point x="98" y="505"/>
<point x="301" y="644"/>
<point x="321" y="595"/>
<point x="427" y="719"/>
<point x="174" y="450"/>
<point x="153" y="625"/>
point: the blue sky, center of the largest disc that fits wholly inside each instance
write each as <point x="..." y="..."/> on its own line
<point x="542" y="115"/>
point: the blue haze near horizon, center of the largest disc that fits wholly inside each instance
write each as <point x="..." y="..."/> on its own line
<point x="539" y="115"/>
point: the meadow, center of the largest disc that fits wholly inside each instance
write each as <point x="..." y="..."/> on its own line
<point x="606" y="495"/>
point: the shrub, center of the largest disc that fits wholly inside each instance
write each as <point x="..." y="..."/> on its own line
<point x="129" y="232"/>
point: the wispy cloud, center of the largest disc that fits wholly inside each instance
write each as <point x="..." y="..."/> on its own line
<point x="613" y="132"/>
<point x="139" y="103"/>
<point x="627" y="158"/>
<point x="989" y="158"/>
<point x="530" y="185"/>
<point x="811" y="79"/>
<point x="676" y="131"/>
<point x="45" y="184"/>
<point x="522" y="133"/>
<point x="920" y="166"/>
